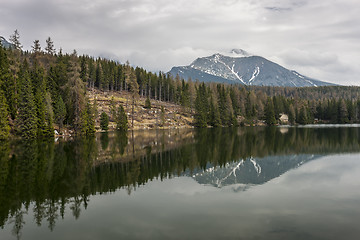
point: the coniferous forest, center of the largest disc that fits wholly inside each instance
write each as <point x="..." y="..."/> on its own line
<point x="44" y="87"/>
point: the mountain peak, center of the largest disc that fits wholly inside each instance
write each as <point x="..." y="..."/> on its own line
<point x="243" y="68"/>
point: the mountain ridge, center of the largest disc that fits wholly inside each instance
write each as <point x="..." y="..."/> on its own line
<point x="243" y="68"/>
<point x="5" y="43"/>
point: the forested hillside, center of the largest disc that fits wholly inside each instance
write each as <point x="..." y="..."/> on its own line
<point x="43" y="88"/>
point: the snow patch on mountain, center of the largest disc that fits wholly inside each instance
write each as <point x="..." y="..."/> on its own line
<point x="243" y="68"/>
<point x="255" y="74"/>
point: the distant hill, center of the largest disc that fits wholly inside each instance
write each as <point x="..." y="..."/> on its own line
<point x="5" y="43"/>
<point x="243" y="68"/>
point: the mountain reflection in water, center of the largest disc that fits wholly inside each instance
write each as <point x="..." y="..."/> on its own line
<point x="51" y="178"/>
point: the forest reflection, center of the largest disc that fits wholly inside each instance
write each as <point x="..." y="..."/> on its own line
<point x="49" y="178"/>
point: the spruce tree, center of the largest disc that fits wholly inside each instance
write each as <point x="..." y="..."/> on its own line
<point x="303" y="117"/>
<point x="49" y="115"/>
<point x="291" y="114"/>
<point x="104" y="121"/>
<point x="147" y="103"/>
<point x="26" y="119"/>
<point x="87" y="120"/>
<point x="49" y="46"/>
<point x="270" y="113"/>
<point x="130" y="79"/>
<point x="43" y="103"/>
<point x="36" y="47"/>
<point x="8" y="83"/>
<point x="15" y="40"/>
<point x="75" y="94"/>
<point x="59" y="112"/>
<point x="201" y="107"/>
<point x="342" y="112"/>
<point x="121" y="119"/>
<point x="4" y="118"/>
<point x="214" y="118"/>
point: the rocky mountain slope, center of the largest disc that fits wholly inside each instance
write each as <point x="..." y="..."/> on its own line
<point x="241" y="67"/>
<point x="4" y="42"/>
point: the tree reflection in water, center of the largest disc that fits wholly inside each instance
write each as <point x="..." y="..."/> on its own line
<point x="53" y="177"/>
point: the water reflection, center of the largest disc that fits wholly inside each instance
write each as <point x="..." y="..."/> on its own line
<point x="50" y="179"/>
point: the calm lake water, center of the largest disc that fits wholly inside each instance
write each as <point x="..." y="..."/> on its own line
<point x="230" y="183"/>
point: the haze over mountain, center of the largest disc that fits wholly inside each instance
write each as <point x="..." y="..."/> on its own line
<point x="241" y="67"/>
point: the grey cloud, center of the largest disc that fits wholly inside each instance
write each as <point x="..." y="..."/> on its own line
<point x="278" y="9"/>
<point x="158" y="34"/>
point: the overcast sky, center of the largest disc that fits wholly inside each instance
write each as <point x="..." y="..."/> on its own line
<point x="319" y="39"/>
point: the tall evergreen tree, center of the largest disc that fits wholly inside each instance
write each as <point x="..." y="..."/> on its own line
<point x="59" y="112"/>
<point x="121" y="119"/>
<point x="26" y="119"/>
<point x="8" y="83"/>
<point x="4" y="118"/>
<point x="147" y="103"/>
<point x="291" y="114"/>
<point x="201" y="107"/>
<point x="270" y="113"/>
<point x="130" y="78"/>
<point x="50" y="49"/>
<point x="75" y="92"/>
<point x="15" y="40"/>
<point x="303" y="116"/>
<point x="87" y="120"/>
<point x="36" y="47"/>
<point x="104" y="121"/>
<point x="43" y="104"/>
<point x="214" y="118"/>
<point x="342" y="112"/>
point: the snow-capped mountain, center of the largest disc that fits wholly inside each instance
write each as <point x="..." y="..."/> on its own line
<point x="243" y="68"/>
<point x="5" y="43"/>
<point x="246" y="173"/>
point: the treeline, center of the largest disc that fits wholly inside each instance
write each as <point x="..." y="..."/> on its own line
<point x="42" y="88"/>
<point x="224" y="105"/>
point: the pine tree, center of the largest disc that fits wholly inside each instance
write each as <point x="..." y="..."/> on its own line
<point x="121" y="119"/>
<point x="342" y="112"/>
<point x="8" y="84"/>
<point x="201" y="107"/>
<point x="83" y="69"/>
<point x="49" y="46"/>
<point x="40" y="110"/>
<point x="104" y="121"/>
<point x="36" y="48"/>
<point x="147" y="103"/>
<point x="130" y="78"/>
<point x="15" y="40"/>
<point x="87" y="120"/>
<point x="270" y="113"/>
<point x="49" y="115"/>
<point x="303" y="117"/>
<point x="59" y="112"/>
<point x="214" y="118"/>
<point x="26" y="119"/>
<point x="4" y="118"/>
<point x="43" y="104"/>
<point x="291" y="114"/>
<point x="75" y="94"/>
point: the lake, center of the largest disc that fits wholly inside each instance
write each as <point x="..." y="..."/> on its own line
<point x="227" y="183"/>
